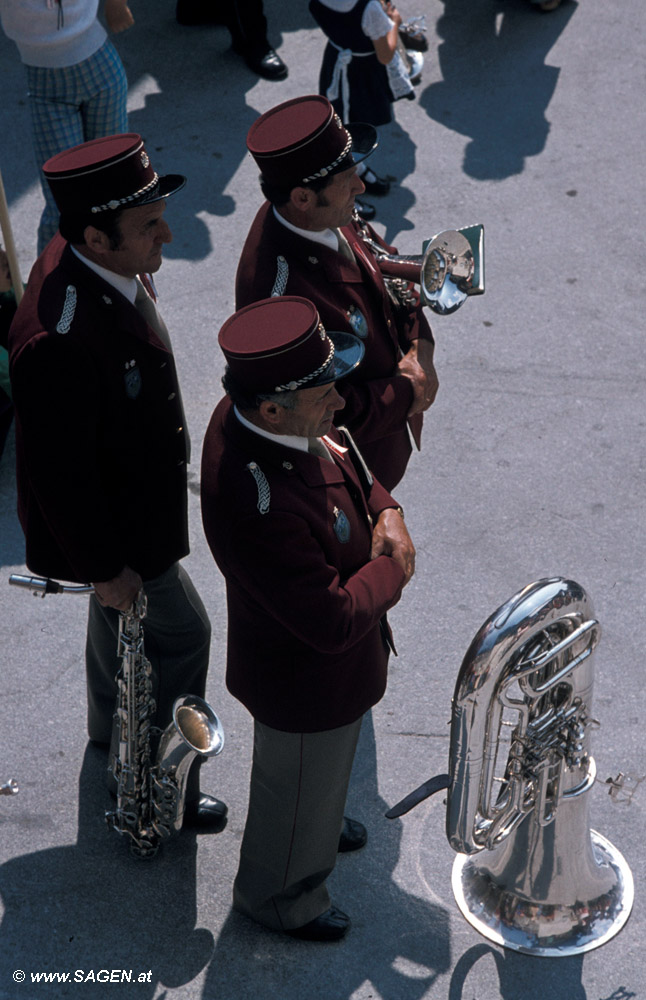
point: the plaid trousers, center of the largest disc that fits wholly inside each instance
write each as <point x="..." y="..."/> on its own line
<point x="70" y="105"/>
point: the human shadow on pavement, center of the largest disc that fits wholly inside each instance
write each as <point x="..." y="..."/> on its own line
<point x="12" y="540"/>
<point x="395" y="157"/>
<point x="521" y="975"/>
<point x="496" y="86"/>
<point x="398" y="943"/>
<point x="90" y="908"/>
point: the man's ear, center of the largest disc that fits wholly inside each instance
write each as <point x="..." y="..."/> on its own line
<point x="96" y="240"/>
<point x="272" y="415"/>
<point x="302" y="199"/>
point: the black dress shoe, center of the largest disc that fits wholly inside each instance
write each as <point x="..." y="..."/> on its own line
<point x="375" y="185"/>
<point x="268" y="65"/>
<point x="353" y="836"/>
<point x="366" y="211"/>
<point x="330" y="926"/>
<point x="205" y="814"/>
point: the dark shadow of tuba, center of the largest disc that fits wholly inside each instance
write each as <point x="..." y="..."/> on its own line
<point x="530" y="873"/>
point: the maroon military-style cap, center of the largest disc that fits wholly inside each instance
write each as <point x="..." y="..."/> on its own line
<point x="106" y="174"/>
<point x="280" y="344"/>
<point x="304" y="139"/>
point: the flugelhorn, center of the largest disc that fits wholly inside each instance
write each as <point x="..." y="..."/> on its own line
<point x="530" y="873"/>
<point x="450" y="268"/>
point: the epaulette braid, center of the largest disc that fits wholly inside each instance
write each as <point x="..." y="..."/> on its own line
<point x="264" y="493"/>
<point x="282" y="274"/>
<point x="69" y="308"/>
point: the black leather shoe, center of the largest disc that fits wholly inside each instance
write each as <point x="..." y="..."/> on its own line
<point x="353" y="836"/>
<point x="366" y="211"/>
<point x="330" y="926"/>
<point x="270" y="65"/>
<point x="206" y="814"/>
<point x="378" y="186"/>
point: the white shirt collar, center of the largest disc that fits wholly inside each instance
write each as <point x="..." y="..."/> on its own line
<point x="127" y="286"/>
<point x="325" y="236"/>
<point x="286" y="440"/>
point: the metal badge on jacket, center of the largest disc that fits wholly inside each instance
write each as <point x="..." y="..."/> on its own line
<point x="132" y="379"/>
<point x="341" y="526"/>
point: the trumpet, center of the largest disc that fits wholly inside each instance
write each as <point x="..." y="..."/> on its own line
<point x="530" y="874"/>
<point x="449" y="269"/>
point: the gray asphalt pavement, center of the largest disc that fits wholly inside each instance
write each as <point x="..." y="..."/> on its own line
<point x="532" y="466"/>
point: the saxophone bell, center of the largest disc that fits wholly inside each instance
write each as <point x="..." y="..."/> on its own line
<point x="195" y="731"/>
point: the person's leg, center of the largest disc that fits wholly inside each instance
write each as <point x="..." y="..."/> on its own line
<point x="56" y="125"/>
<point x="104" y="106"/>
<point x="299" y="784"/>
<point x="247" y="26"/>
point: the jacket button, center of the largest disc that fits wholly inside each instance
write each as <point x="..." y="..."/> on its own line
<point x="172" y="396"/>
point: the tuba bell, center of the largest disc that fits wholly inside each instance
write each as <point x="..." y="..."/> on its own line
<point x="530" y="874"/>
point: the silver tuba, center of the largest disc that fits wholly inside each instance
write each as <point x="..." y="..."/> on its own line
<point x="530" y="873"/>
<point x="450" y="268"/>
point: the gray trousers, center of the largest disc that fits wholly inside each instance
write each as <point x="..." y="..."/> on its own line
<point x="299" y="783"/>
<point x="177" y="639"/>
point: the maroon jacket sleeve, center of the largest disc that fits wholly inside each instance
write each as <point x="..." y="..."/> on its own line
<point x="305" y="593"/>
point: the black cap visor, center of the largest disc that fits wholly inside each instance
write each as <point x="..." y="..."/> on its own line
<point x="164" y="188"/>
<point x="364" y="142"/>
<point x="348" y="352"/>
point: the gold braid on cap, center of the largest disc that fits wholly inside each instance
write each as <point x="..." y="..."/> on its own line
<point x="117" y="202"/>
<point x="297" y="383"/>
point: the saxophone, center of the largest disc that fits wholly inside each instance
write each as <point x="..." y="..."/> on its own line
<point x="150" y="794"/>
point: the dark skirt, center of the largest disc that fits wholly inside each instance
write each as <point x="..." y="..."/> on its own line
<point x="370" y="95"/>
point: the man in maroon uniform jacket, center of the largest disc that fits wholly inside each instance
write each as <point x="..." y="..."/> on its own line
<point x="304" y="241"/>
<point x="100" y="437"/>
<point x="314" y="552"/>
